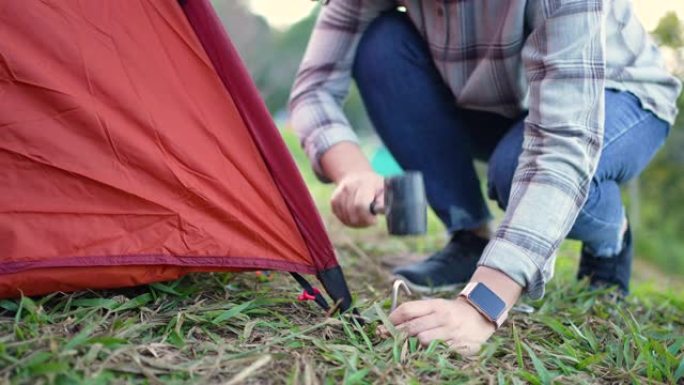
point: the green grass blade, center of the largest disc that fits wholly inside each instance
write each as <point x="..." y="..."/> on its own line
<point x="232" y="312"/>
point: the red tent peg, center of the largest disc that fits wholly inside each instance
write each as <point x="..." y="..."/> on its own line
<point x="305" y="296"/>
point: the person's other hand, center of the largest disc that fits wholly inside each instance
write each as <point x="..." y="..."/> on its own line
<point x="455" y="322"/>
<point x="352" y="198"/>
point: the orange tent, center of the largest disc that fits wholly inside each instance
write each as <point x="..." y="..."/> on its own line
<point x="134" y="148"/>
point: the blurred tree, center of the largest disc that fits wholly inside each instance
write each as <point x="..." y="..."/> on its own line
<point x="662" y="184"/>
<point x="670" y="31"/>
<point x="252" y="36"/>
<point x="288" y="51"/>
<point x="273" y="57"/>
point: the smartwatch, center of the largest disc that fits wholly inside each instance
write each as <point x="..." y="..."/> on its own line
<point x="486" y="302"/>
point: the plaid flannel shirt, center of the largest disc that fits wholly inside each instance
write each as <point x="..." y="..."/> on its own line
<point x="551" y="58"/>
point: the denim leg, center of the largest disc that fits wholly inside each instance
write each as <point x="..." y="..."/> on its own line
<point x="415" y="114"/>
<point x="632" y="137"/>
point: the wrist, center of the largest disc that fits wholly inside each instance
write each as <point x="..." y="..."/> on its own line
<point x="356" y="174"/>
<point x="342" y="160"/>
<point x="501" y="284"/>
<point x="481" y="318"/>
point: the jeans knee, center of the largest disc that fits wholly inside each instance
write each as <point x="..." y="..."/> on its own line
<point x="380" y="44"/>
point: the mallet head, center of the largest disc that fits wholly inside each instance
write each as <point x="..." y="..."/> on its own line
<point x="405" y="204"/>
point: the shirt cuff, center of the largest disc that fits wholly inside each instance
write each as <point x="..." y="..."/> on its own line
<point x="320" y="142"/>
<point x="519" y="264"/>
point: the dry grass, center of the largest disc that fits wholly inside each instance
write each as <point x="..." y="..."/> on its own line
<point x="230" y="329"/>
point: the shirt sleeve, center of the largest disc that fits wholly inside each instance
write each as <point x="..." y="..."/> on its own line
<point x="324" y="76"/>
<point x="564" y="63"/>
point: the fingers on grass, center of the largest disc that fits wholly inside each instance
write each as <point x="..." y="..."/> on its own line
<point x="420" y="325"/>
<point x="465" y="349"/>
<point x="427" y="336"/>
<point x="414" y="309"/>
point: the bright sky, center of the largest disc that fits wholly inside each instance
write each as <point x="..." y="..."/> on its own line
<point x="650" y="11"/>
<point x="282" y="13"/>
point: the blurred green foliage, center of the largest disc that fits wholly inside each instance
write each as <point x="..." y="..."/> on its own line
<point x="670" y="31"/>
<point x="662" y="185"/>
<point x="273" y="57"/>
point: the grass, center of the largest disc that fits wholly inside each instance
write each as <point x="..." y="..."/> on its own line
<point x="245" y="328"/>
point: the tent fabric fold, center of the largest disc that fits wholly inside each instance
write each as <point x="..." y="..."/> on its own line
<point x="256" y="117"/>
<point x="135" y="149"/>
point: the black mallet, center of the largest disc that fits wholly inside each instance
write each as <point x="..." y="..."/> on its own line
<point x="405" y="204"/>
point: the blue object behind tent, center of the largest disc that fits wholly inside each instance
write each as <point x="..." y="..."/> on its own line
<point x="384" y="163"/>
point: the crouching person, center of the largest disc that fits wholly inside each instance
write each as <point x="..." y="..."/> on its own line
<point x="565" y="100"/>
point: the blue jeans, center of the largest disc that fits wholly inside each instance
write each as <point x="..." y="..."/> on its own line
<point x="415" y="114"/>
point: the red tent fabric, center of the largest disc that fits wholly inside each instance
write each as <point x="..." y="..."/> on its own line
<point x="134" y="148"/>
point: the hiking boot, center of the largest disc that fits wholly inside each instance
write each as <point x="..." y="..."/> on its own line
<point x="448" y="268"/>
<point x="609" y="271"/>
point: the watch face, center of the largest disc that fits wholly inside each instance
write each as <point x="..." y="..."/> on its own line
<point x="487" y="301"/>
